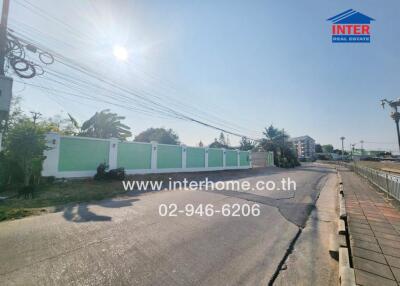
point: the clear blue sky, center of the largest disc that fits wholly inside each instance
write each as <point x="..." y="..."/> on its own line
<point x="251" y="63"/>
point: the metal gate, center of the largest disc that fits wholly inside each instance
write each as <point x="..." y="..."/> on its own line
<point x="262" y="159"/>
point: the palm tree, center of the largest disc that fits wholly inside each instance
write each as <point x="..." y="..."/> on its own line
<point x="246" y="144"/>
<point x="274" y="139"/>
<point x="104" y="124"/>
<point x="277" y="141"/>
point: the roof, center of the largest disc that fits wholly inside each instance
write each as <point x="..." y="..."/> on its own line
<point x="351" y="17"/>
<point x="300" y="138"/>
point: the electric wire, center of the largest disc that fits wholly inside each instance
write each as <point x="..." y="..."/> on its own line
<point x="84" y="69"/>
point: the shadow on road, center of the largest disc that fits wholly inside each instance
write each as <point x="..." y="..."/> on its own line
<point x="81" y="212"/>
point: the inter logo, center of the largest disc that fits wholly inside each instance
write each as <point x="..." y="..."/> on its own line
<point x="351" y="27"/>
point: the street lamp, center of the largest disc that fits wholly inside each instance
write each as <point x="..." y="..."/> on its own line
<point x="352" y="149"/>
<point x="342" y="138"/>
<point x="394" y="114"/>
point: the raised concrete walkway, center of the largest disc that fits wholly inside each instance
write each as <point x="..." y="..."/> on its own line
<point x="374" y="227"/>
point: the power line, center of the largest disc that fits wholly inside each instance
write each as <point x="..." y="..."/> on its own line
<point x="42" y="13"/>
<point x="387" y="143"/>
<point x="85" y="96"/>
<point x="209" y="117"/>
<point x="83" y="69"/>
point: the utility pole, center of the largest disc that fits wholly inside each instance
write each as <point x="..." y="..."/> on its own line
<point x="352" y="146"/>
<point x="3" y="34"/>
<point x="342" y="138"/>
<point x="283" y="142"/>
<point x="5" y="82"/>
<point x="394" y="114"/>
<point x="362" y="147"/>
<point x="35" y="116"/>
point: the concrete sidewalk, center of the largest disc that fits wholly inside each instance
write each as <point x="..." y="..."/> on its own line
<point x="310" y="262"/>
<point x="374" y="228"/>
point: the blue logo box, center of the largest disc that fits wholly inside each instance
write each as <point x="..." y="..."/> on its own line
<point x="351" y="39"/>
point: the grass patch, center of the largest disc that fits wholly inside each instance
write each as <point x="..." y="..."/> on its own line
<point x="53" y="197"/>
<point x="383" y="165"/>
<point x="58" y="194"/>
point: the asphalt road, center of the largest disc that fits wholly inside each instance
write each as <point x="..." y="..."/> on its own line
<point x="124" y="241"/>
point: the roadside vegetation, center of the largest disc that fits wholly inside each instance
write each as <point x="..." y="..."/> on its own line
<point x="49" y="197"/>
<point x="393" y="167"/>
<point x="277" y="141"/>
<point x="24" y="192"/>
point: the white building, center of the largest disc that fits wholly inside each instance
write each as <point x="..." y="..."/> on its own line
<point x="304" y="146"/>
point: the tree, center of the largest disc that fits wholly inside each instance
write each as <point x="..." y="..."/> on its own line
<point x="318" y="148"/>
<point x="105" y="124"/>
<point x="338" y="151"/>
<point x="246" y="144"/>
<point x="327" y="148"/>
<point x="7" y="121"/>
<point x="64" y="126"/>
<point x="277" y="141"/>
<point x="221" y="142"/>
<point x="274" y="139"/>
<point x="24" y="147"/>
<point x="201" y="144"/>
<point x="222" y="139"/>
<point x="217" y="144"/>
<point x="160" y="135"/>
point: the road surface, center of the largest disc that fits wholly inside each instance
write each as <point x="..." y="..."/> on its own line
<point x="124" y="241"/>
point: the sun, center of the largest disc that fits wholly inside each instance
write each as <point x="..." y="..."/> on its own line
<point x="120" y="53"/>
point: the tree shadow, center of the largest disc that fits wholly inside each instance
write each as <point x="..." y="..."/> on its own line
<point x="80" y="213"/>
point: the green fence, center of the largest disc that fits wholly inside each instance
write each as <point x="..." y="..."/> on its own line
<point x="215" y="158"/>
<point x="231" y="158"/>
<point x="270" y="158"/>
<point x="244" y="158"/>
<point x="77" y="154"/>
<point x="71" y="156"/>
<point x="169" y="156"/>
<point x="195" y="157"/>
<point x="133" y="156"/>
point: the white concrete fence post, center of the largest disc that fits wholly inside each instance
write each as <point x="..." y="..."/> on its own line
<point x="223" y="158"/>
<point x="238" y="157"/>
<point x="154" y="150"/>
<point x="113" y="153"/>
<point x="184" y="152"/>
<point x="205" y="158"/>
<point x="250" y="163"/>
<point x="50" y="164"/>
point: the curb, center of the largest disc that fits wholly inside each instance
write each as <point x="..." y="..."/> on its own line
<point x="346" y="273"/>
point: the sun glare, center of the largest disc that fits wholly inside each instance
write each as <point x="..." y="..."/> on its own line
<point x="120" y="53"/>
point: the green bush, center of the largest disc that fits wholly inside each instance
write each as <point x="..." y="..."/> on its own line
<point x="23" y="155"/>
<point x="3" y="175"/>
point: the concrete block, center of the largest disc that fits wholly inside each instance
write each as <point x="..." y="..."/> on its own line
<point x="342" y="208"/>
<point x="342" y="242"/>
<point x="346" y="274"/>
<point x="341" y="227"/>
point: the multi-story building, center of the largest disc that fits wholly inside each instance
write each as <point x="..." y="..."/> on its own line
<point x="304" y="146"/>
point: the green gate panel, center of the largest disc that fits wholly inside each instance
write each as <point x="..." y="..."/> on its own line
<point x="231" y="158"/>
<point x="270" y="157"/>
<point x="134" y="156"/>
<point x="169" y="156"/>
<point x="195" y="157"/>
<point x="244" y="159"/>
<point x="215" y="158"/>
<point x="78" y="154"/>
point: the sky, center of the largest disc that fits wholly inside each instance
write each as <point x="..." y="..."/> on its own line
<point x="240" y="64"/>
